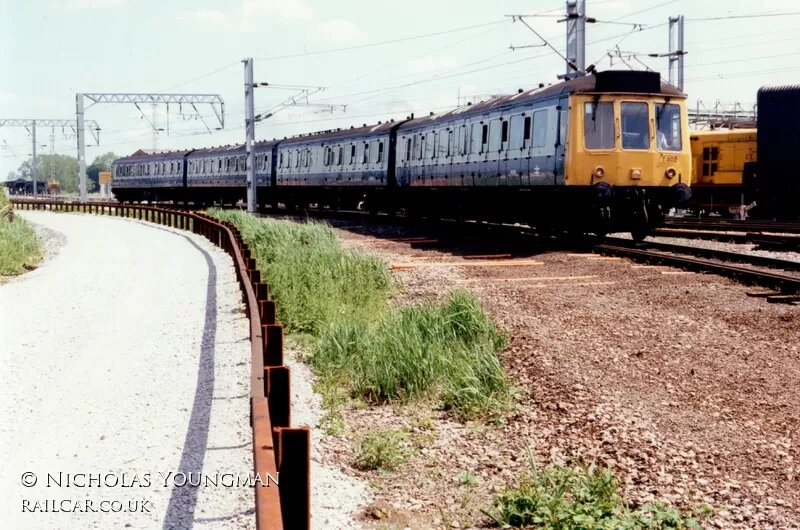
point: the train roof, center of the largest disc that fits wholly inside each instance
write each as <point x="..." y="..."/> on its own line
<point x="607" y="82"/>
<point x="142" y="155"/>
<point x="337" y="134"/>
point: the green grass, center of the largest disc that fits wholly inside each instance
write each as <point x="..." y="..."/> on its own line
<point x="379" y="353"/>
<point x="381" y="450"/>
<point x="19" y="245"/>
<point x="582" y="498"/>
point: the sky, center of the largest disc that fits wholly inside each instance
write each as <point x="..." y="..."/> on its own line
<point x="360" y="61"/>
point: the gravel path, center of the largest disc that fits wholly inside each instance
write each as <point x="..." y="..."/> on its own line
<point x="126" y="354"/>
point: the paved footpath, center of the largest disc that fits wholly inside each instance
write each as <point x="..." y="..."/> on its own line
<point x="124" y="362"/>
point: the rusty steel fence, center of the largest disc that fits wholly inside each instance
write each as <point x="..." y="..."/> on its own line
<point x="279" y="450"/>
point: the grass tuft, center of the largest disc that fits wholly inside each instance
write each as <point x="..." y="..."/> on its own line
<point x="579" y="497"/>
<point x="381" y="450"/>
<point x="444" y="350"/>
<point x="20" y="248"/>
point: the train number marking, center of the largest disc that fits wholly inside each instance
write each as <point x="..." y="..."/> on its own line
<point x="668" y="159"/>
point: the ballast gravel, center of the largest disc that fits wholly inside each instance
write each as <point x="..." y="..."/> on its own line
<point x="125" y="364"/>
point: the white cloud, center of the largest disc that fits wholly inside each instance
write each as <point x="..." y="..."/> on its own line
<point x="429" y="64"/>
<point x="248" y="15"/>
<point x="336" y="31"/>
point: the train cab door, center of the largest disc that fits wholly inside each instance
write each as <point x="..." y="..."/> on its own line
<point x="560" y="157"/>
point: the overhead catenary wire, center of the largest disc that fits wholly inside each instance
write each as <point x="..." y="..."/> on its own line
<point x="374" y="44"/>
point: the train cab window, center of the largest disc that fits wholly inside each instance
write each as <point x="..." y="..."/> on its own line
<point x="539" y="128"/>
<point x="668" y="125"/>
<point x="598" y="125"/>
<point x="635" y="125"/>
<point x="710" y="161"/>
<point x="494" y="135"/>
<point x="562" y="138"/>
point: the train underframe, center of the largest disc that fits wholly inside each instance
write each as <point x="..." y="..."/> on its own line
<point x="600" y="209"/>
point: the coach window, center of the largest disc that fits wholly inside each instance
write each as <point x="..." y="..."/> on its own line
<point x="494" y="135"/>
<point x="449" y="150"/>
<point x="340" y="160"/>
<point x="163" y="167"/>
<point x="266" y="162"/>
<point x="172" y="167"/>
<point x="484" y="138"/>
<point x="415" y="151"/>
<point x="598" y="124"/>
<point x="442" y="150"/>
<point x="475" y="138"/>
<point x="352" y="154"/>
<point x="462" y="140"/>
<point x="430" y="145"/>
<point x="635" y="125"/>
<point x="668" y="123"/>
<point x="504" y="136"/>
<point x="563" y="130"/>
<point x="365" y="160"/>
<point x="539" y="128"/>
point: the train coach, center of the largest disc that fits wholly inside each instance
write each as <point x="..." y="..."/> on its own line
<point x="604" y="152"/>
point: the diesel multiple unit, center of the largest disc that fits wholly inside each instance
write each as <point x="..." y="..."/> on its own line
<point x="607" y="151"/>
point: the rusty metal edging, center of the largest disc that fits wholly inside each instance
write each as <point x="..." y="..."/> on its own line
<point x="277" y="448"/>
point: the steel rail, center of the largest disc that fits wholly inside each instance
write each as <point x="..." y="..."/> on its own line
<point x="729" y="225"/>
<point x="280" y="453"/>
<point x="701" y="252"/>
<point x="786" y="284"/>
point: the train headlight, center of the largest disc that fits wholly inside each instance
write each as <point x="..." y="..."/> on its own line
<point x="670" y="173"/>
<point x="636" y="174"/>
<point x="599" y="172"/>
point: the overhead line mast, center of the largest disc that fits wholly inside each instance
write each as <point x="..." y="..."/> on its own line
<point x="30" y="124"/>
<point x="215" y="100"/>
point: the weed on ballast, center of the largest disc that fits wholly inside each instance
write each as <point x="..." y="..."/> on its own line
<point x="381" y="450"/>
<point x="580" y="497"/>
<point x="379" y="353"/>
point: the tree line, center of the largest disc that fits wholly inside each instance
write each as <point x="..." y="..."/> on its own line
<point x="64" y="169"/>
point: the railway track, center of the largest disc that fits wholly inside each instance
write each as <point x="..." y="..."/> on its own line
<point x="786" y="288"/>
<point x="783" y="243"/>
<point x="731" y="225"/>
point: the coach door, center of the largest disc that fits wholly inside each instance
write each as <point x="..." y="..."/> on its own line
<point x="561" y="141"/>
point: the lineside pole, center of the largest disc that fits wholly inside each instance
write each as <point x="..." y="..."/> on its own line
<point x="33" y="169"/>
<point x="250" y="133"/>
<point x="81" y="146"/>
